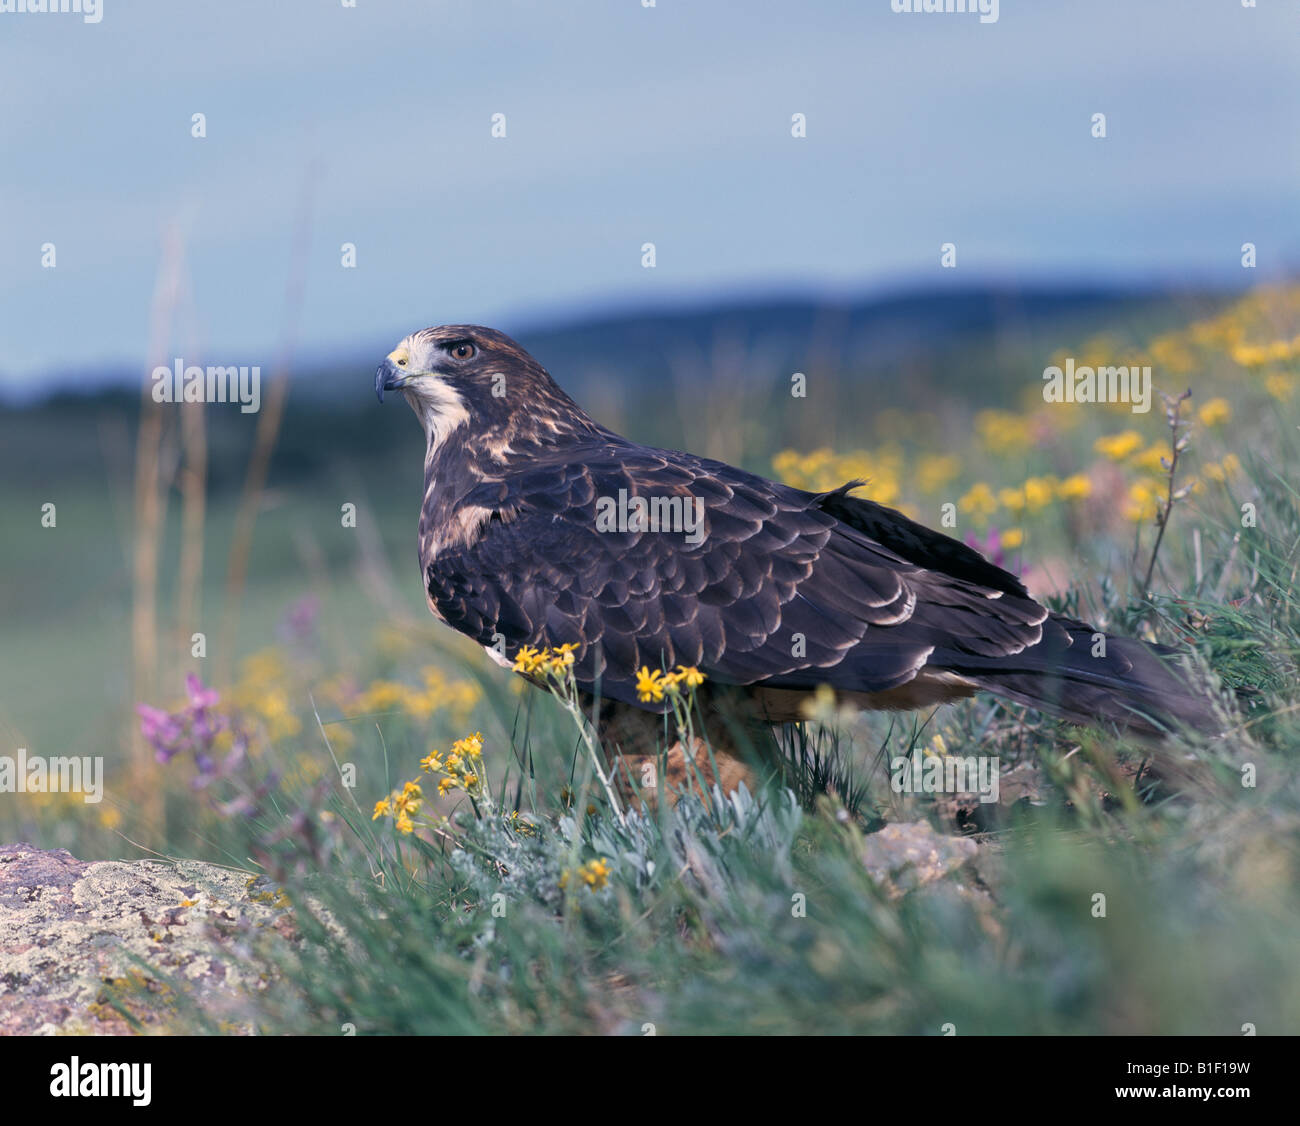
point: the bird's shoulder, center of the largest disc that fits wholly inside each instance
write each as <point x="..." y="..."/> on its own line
<point x="580" y="474"/>
<point x="559" y="492"/>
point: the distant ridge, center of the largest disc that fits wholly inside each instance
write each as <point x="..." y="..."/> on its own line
<point x="875" y="332"/>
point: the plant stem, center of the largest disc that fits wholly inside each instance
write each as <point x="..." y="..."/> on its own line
<point x="1172" y="412"/>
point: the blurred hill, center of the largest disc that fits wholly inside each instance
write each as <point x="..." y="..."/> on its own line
<point x="644" y="373"/>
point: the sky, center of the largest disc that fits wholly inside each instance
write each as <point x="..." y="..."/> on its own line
<point x="625" y="124"/>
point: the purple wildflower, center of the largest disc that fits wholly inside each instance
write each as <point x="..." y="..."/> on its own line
<point x="991" y="549"/>
<point x="298" y="625"/>
<point x="164" y="732"/>
<point x="200" y="697"/>
<point x="194" y="727"/>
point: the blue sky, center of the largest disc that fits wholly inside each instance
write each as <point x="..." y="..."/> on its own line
<point x="625" y="125"/>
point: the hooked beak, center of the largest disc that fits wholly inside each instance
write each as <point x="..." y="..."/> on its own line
<point x="389" y="376"/>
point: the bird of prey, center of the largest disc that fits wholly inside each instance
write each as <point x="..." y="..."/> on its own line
<point x="769" y="590"/>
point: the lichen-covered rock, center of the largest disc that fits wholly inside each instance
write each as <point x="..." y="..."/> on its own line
<point x="121" y="947"/>
<point x="903" y="857"/>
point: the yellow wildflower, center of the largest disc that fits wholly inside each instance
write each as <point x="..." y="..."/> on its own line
<point x="419" y="705"/>
<point x="1038" y="492"/>
<point x="462" y="695"/>
<point x="1170" y="353"/>
<point x="785" y="463"/>
<point x="1012" y="499"/>
<point x="1214" y="412"/>
<point x="470" y="747"/>
<point x="935" y="471"/>
<point x="559" y="660"/>
<point x="649" y="685"/>
<point x="1003" y="431"/>
<point x="1250" y="355"/>
<point x="595" y="874"/>
<point x="1118" y="446"/>
<point x="405" y="804"/>
<point x="528" y="659"/>
<point x="979" y="501"/>
<point x="262" y="666"/>
<point x="382" y="696"/>
<point x="341" y="738"/>
<point x="1280" y="386"/>
<point x="1152" y="459"/>
<point x="382" y="807"/>
<point x="1143" y="501"/>
<point x="1075" y="487"/>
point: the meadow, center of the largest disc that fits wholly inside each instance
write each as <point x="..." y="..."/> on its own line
<point x="441" y="834"/>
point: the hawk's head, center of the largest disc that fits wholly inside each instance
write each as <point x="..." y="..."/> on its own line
<point x="457" y="375"/>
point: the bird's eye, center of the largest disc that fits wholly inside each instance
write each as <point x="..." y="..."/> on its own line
<point x="463" y="350"/>
<point x="401" y="363"/>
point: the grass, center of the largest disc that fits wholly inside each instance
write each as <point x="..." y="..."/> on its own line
<point x="1117" y="887"/>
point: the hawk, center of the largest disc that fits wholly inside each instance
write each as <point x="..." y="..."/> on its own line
<point x="534" y="532"/>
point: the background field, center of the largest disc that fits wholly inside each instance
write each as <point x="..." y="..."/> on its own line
<point x="787" y="913"/>
<point x="906" y="377"/>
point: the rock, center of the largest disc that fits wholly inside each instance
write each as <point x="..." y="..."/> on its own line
<point x="906" y="856"/>
<point x="173" y="946"/>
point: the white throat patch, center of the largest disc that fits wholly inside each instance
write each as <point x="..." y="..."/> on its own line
<point x="439" y="408"/>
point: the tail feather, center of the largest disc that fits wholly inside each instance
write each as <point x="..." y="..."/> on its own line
<point x="1084" y="676"/>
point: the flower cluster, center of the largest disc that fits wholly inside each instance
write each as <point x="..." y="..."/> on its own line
<point x="459" y="768"/>
<point x="545" y="662"/>
<point x="651" y="686"/>
<point x="995" y="543"/>
<point x="1259" y="355"/>
<point x="824" y="469"/>
<point x="457" y="696"/>
<point x="264" y="693"/>
<point x="400" y="805"/>
<point x="196" y="727"/>
<point x="1117" y="447"/>
<point x="594" y="875"/>
<point x="1254" y="337"/>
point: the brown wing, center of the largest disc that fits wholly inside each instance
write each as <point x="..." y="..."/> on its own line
<point x="785" y="589"/>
